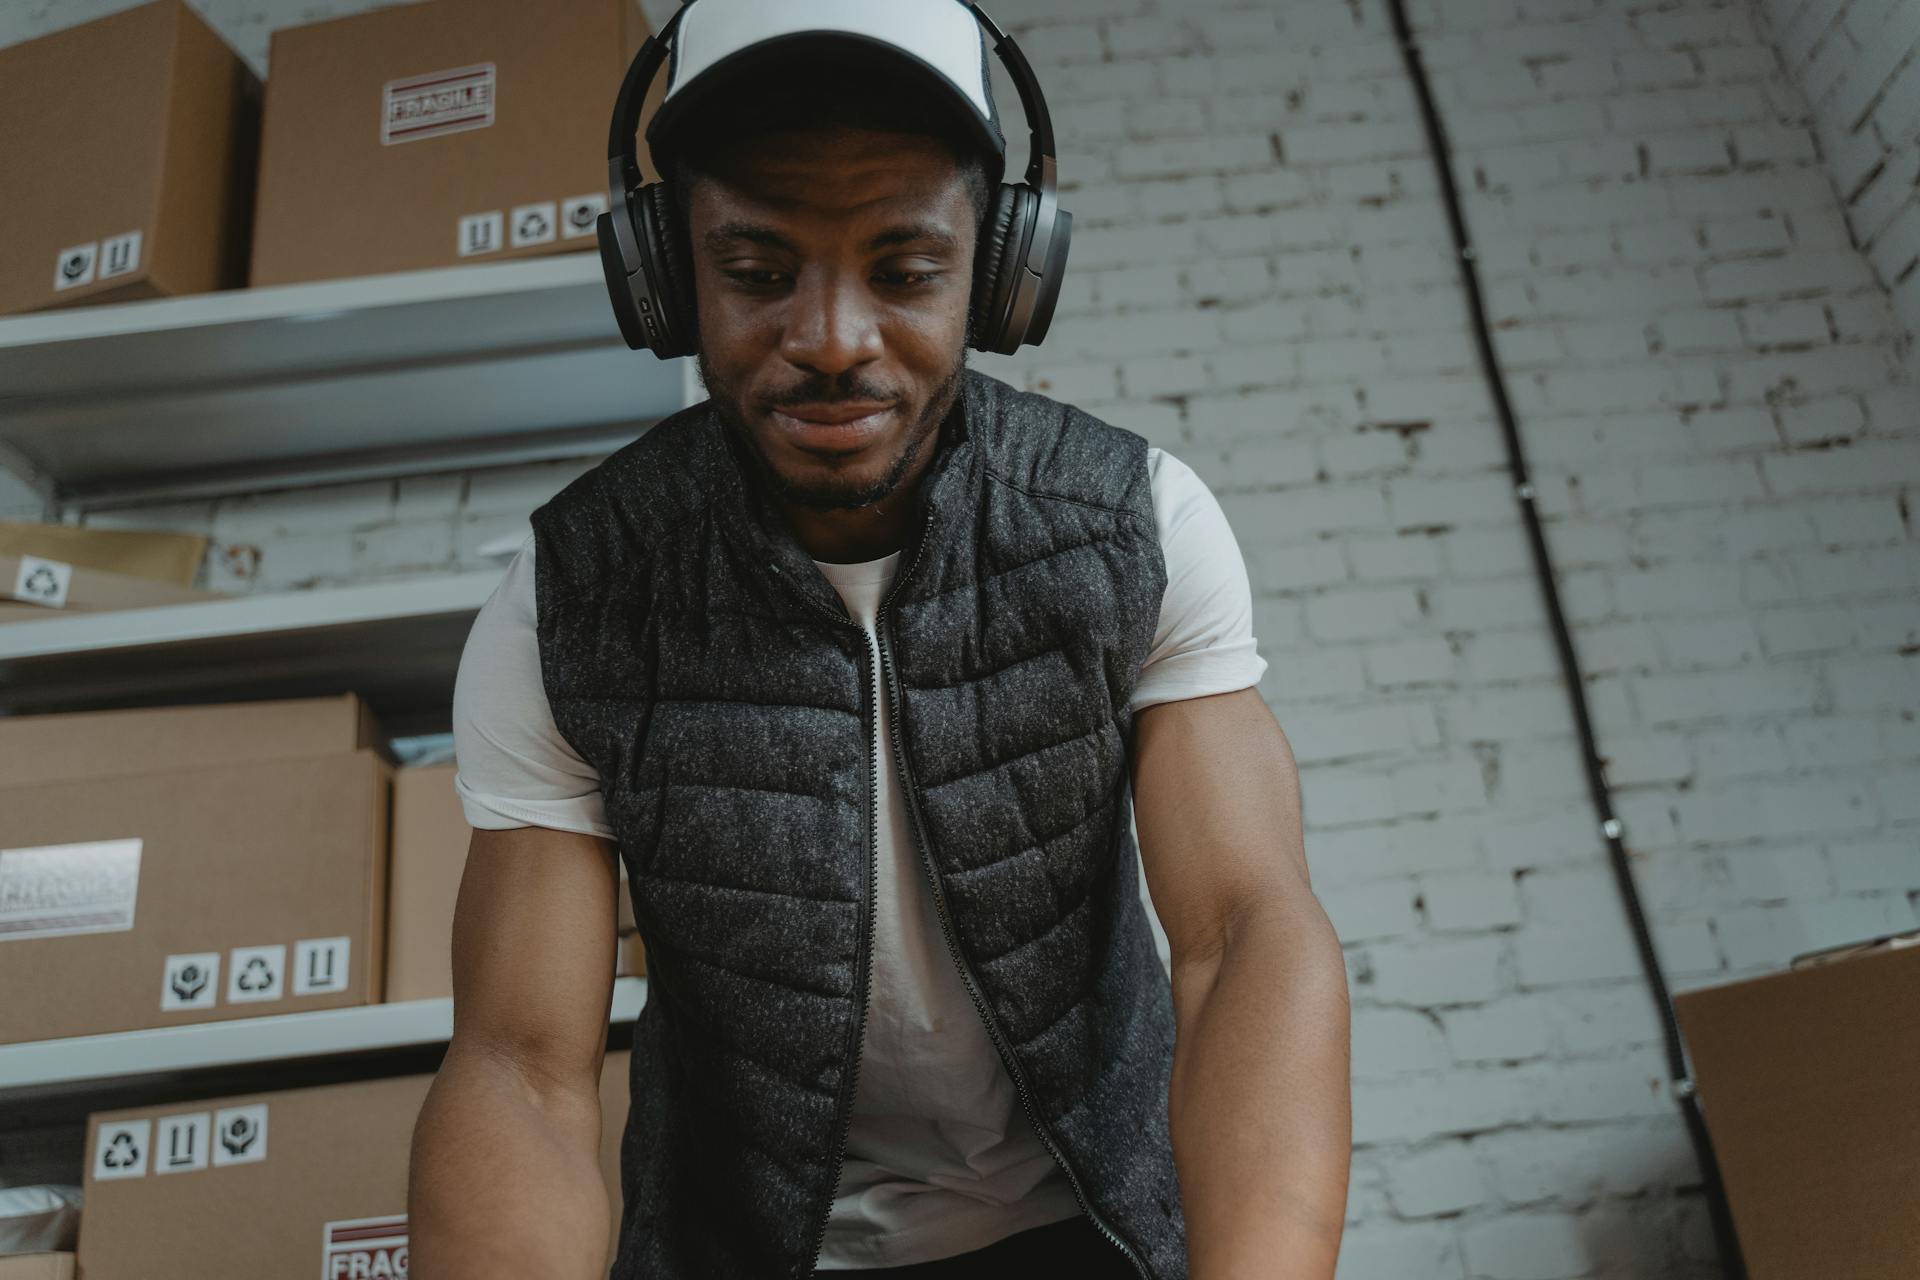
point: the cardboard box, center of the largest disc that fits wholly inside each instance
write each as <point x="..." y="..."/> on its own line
<point x="314" y="1182"/>
<point x="37" y="1266"/>
<point x="430" y="841"/>
<point x="1806" y="1080"/>
<point x="430" y="837"/>
<point x="198" y="895"/>
<point x="435" y="134"/>
<point x="92" y="744"/>
<point x="34" y="588"/>
<point x="158" y="555"/>
<point x="136" y="135"/>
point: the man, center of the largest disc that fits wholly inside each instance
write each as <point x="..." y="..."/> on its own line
<point x="853" y="665"/>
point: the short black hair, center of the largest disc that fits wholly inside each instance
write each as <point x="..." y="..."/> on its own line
<point x="827" y="89"/>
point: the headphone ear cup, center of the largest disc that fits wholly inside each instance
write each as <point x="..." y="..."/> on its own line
<point x="989" y="259"/>
<point x="619" y="285"/>
<point x="675" y="283"/>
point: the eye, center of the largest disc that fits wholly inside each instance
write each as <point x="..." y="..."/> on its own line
<point x="757" y="277"/>
<point x="909" y="279"/>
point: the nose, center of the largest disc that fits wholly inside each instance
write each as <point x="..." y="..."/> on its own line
<point x="831" y="324"/>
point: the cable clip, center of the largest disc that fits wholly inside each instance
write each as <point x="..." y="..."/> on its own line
<point x="1683" y="1088"/>
<point x="1467" y="254"/>
<point x="1524" y="491"/>
<point x="1613" y="828"/>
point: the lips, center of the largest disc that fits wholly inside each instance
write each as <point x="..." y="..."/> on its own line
<point x="837" y="427"/>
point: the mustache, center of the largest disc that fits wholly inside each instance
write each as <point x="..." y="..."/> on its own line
<point x="841" y="390"/>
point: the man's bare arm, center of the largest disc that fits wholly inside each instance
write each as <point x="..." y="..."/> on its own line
<point x="1259" y="1104"/>
<point x="505" y="1179"/>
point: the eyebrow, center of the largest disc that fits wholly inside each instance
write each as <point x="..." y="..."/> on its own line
<point x="907" y="233"/>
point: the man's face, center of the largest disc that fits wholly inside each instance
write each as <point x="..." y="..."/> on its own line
<point x="833" y="271"/>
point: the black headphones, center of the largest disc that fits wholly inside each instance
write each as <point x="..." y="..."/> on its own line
<point x="1018" y="263"/>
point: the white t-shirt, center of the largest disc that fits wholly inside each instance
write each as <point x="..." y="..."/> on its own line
<point x="940" y="1157"/>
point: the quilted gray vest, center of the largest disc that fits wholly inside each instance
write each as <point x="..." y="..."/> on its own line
<point x="696" y="657"/>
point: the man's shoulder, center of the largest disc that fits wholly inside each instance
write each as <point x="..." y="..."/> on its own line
<point x="1047" y="446"/>
<point x="656" y="479"/>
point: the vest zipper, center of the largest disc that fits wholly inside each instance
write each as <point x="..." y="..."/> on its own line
<point x="877" y="646"/>
<point x="953" y="947"/>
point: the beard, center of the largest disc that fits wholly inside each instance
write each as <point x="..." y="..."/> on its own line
<point x="832" y="493"/>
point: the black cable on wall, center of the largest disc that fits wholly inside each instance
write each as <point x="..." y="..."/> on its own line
<point x="1731" y="1261"/>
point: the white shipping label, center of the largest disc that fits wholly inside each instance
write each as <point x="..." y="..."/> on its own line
<point x="256" y="973"/>
<point x="580" y="214"/>
<point x="364" y="1249"/>
<point x="120" y="1149"/>
<point x="436" y="104"/>
<point x="320" y="966"/>
<point x="56" y="889"/>
<point x="532" y="224"/>
<point x="120" y="256"/>
<point x="74" y="267"/>
<point x="182" y="1143"/>
<point x="480" y="233"/>
<point x="43" y="582"/>
<point x="240" y="1135"/>
<point x="191" y="982"/>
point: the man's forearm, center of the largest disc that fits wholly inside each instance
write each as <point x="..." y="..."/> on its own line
<point x="505" y="1180"/>
<point x="1259" y="1104"/>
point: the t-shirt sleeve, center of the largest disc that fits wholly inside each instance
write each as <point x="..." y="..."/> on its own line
<point x="1204" y="641"/>
<point x="512" y="767"/>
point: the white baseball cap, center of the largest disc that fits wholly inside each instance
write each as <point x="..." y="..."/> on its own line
<point x="936" y="41"/>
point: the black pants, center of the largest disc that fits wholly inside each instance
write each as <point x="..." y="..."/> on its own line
<point x="1072" y="1249"/>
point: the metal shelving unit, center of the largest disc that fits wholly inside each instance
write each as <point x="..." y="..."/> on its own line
<point x="80" y="1073"/>
<point x="340" y="379"/>
<point x="200" y="397"/>
<point x="395" y="643"/>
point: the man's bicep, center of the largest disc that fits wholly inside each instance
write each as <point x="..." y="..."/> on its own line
<point x="1217" y="805"/>
<point x="533" y="944"/>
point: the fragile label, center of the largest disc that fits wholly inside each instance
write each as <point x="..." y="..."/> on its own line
<point x="49" y="890"/>
<point x="364" y="1249"/>
<point x="436" y="104"/>
<point x="43" y="582"/>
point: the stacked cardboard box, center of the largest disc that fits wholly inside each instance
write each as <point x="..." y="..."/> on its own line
<point x="1806" y="1080"/>
<point x="430" y="839"/>
<point x="37" y="1266"/>
<point x="190" y="864"/>
<point x="137" y="136"/>
<point x="296" y="1183"/>
<point x="435" y="134"/>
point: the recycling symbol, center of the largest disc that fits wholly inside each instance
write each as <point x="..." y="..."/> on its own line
<point x="238" y="1135"/>
<point x="75" y="266"/>
<point x="189" y="981"/>
<point x="122" y="1153"/>
<point x="534" y="224"/>
<point x="42" y="583"/>
<point x="581" y="216"/>
<point x="257" y="975"/>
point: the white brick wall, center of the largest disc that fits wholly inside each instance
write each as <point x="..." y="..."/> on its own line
<point x="1710" y="381"/>
<point x="1855" y="61"/>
